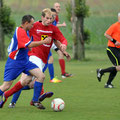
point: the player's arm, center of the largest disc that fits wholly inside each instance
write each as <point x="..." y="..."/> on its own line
<point x="62" y="47"/>
<point x="59" y="36"/>
<point x="37" y="43"/>
<point x="109" y="37"/>
<point x="66" y="54"/>
<point x="61" y="25"/>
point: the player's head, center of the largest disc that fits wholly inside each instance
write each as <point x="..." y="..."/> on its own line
<point x="118" y="17"/>
<point x="46" y="17"/>
<point x="54" y="13"/>
<point x="27" y="21"/>
<point x="57" y="7"/>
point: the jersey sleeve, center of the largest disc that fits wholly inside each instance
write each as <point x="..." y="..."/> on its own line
<point x="110" y="30"/>
<point x="59" y="36"/>
<point x="23" y="39"/>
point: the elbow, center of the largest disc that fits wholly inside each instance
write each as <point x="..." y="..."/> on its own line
<point x="105" y="34"/>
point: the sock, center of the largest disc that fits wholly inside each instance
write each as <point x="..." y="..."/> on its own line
<point x="37" y="90"/>
<point x="26" y="87"/>
<point x="42" y="91"/>
<point x="62" y="65"/>
<point x="110" y="69"/>
<point x="51" y="70"/>
<point x="1" y="92"/>
<point x="17" y="94"/>
<point x="14" y="89"/>
<point x="44" y="69"/>
<point x="111" y="77"/>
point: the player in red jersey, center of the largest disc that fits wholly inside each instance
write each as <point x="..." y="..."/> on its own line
<point x="40" y="32"/>
<point x="64" y="74"/>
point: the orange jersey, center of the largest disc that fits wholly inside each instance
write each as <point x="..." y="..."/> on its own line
<point x="114" y="32"/>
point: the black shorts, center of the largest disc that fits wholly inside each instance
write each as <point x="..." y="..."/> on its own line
<point x="114" y="55"/>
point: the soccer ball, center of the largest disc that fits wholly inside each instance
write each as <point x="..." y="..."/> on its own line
<point x="57" y="104"/>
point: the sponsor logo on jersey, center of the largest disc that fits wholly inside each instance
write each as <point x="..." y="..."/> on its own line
<point x="43" y="37"/>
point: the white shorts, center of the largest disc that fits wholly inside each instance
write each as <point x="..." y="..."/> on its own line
<point x="37" y="61"/>
<point x="53" y="46"/>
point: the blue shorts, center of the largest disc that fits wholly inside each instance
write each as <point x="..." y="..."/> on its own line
<point x="14" y="68"/>
<point x="50" y="54"/>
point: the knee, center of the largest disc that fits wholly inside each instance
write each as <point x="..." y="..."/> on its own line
<point x="43" y="76"/>
<point x="5" y="86"/>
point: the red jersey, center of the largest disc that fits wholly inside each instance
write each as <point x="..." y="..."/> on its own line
<point x="57" y="19"/>
<point x="114" y="32"/>
<point x="40" y="32"/>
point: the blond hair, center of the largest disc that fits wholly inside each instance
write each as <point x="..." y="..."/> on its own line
<point x="46" y="11"/>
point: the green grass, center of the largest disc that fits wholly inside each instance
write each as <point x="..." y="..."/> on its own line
<point x="85" y="98"/>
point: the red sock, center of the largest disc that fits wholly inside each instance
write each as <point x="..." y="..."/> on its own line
<point x="62" y="65"/>
<point x="14" y="89"/>
<point x="42" y="91"/>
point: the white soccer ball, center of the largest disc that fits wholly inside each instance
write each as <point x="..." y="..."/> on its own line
<point x="57" y="104"/>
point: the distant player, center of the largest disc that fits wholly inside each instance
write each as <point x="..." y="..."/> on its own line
<point x="64" y="74"/>
<point x="113" y="52"/>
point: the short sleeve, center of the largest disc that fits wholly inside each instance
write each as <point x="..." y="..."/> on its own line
<point x="23" y="39"/>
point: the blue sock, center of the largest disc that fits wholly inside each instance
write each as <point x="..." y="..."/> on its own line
<point x="26" y="87"/>
<point x="51" y="71"/>
<point x="1" y="92"/>
<point x="44" y="69"/>
<point x="37" y="90"/>
<point x="17" y="94"/>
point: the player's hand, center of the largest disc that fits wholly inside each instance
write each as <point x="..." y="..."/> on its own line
<point x="64" y="24"/>
<point x="63" y="47"/>
<point x="117" y="43"/>
<point x="66" y="54"/>
<point x="47" y="40"/>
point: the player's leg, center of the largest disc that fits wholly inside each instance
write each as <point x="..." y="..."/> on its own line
<point x="114" y="56"/>
<point x="24" y="80"/>
<point x="37" y="86"/>
<point x="51" y="67"/>
<point x="16" y="96"/>
<point x="53" y="79"/>
<point x="64" y="74"/>
<point x="9" y="75"/>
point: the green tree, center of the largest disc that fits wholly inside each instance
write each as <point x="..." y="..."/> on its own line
<point x="6" y="27"/>
<point x="77" y="11"/>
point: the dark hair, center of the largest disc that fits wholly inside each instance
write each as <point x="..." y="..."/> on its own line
<point x="53" y="10"/>
<point x="27" y="18"/>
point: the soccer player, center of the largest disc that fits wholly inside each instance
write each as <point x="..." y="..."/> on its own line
<point x="41" y="31"/>
<point x="18" y="61"/>
<point x="64" y="74"/>
<point x="50" y="57"/>
<point x="57" y="7"/>
<point x="113" y="52"/>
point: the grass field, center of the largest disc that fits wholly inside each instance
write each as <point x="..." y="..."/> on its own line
<point x="84" y="96"/>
